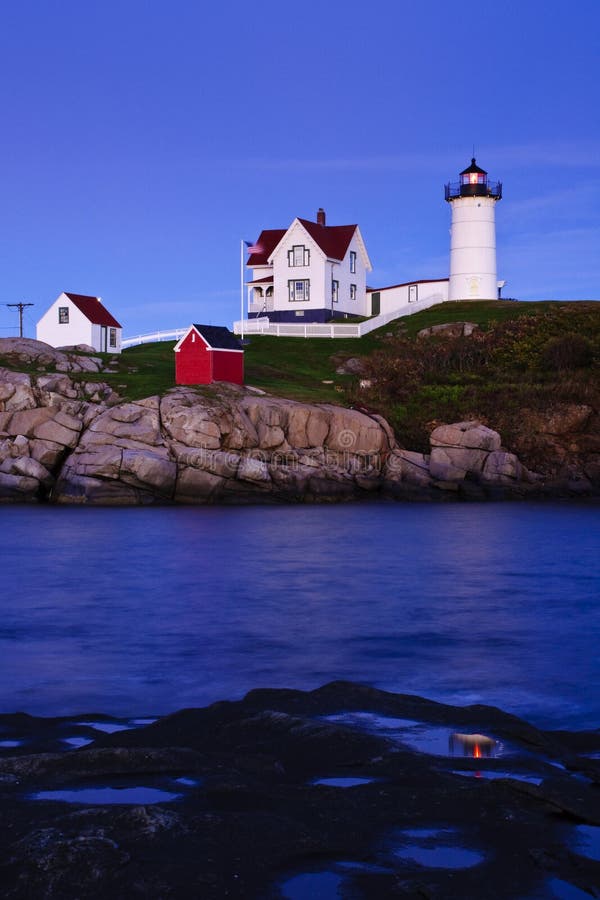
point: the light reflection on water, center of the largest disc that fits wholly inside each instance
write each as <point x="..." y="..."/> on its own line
<point x="142" y="611"/>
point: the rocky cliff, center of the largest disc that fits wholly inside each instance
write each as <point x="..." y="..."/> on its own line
<point x="67" y="439"/>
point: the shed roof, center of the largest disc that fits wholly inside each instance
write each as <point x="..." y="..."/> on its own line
<point x="93" y="310"/>
<point x="218" y="337"/>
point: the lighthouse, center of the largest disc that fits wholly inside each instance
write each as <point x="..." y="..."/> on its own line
<point x="473" y="235"/>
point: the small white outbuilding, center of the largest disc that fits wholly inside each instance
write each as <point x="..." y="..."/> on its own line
<point x="79" y="319"/>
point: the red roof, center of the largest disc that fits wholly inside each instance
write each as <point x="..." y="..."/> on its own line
<point x="332" y="239"/>
<point x="93" y="310"/>
<point x="267" y="242"/>
<point x="267" y="280"/>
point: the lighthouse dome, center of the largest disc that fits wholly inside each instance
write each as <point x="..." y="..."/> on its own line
<point x="473" y="169"/>
<point x="473" y="182"/>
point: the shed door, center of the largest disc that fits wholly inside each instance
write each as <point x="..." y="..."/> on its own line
<point x="375" y="303"/>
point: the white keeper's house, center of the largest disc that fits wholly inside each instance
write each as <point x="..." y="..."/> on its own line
<point x="80" y="319"/>
<point x="310" y="272"/>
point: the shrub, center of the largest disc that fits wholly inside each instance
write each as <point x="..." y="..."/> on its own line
<point x="571" y="351"/>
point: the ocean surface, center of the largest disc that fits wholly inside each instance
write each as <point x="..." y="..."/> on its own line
<point x="146" y="610"/>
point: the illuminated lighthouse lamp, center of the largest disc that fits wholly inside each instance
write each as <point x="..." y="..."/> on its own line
<point x="474" y="183"/>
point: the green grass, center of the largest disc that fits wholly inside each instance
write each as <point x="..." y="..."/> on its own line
<point x="483" y="313"/>
<point x="297" y="367"/>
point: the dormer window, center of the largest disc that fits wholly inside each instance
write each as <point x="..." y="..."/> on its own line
<point x="299" y="255"/>
<point x="352" y="261"/>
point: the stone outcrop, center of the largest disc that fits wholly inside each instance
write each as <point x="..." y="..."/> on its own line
<point x="27" y="352"/>
<point x="449" y="329"/>
<point x="188" y="447"/>
<point x="68" y="440"/>
<point x="465" y="457"/>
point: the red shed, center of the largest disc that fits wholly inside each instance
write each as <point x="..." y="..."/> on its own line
<point x="208" y="353"/>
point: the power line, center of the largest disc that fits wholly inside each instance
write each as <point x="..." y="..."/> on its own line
<point x="20" y="307"/>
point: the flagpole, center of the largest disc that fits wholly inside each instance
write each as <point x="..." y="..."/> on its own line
<point x="242" y="288"/>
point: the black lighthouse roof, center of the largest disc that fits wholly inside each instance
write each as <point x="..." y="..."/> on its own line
<point x="473" y="169"/>
<point x="473" y="182"/>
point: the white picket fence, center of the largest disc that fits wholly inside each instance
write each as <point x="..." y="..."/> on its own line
<point x="331" y="329"/>
<point x="292" y="329"/>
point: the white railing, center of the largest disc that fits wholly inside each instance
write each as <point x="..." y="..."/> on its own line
<point x="339" y="329"/>
<point x="333" y="329"/>
<point x="152" y="336"/>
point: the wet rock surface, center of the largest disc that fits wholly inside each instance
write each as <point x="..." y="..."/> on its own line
<point x="232" y="808"/>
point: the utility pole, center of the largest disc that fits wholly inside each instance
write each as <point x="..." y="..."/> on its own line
<point x="20" y="307"/>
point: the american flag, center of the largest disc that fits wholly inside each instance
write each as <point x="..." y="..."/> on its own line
<point x="253" y="248"/>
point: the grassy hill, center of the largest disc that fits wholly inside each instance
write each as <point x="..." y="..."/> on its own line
<point x="526" y="359"/>
<point x="297" y="367"/>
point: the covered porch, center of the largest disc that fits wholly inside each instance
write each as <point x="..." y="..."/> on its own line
<point x="260" y="298"/>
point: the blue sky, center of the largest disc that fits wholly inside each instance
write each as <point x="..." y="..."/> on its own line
<point x="142" y="140"/>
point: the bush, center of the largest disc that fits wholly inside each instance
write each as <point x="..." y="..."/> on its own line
<point x="571" y="351"/>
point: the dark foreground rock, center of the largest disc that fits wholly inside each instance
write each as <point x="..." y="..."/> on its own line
<point x="241" y="815"/>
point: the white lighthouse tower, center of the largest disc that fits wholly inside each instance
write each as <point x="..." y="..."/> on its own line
<point x="473" y="235"/>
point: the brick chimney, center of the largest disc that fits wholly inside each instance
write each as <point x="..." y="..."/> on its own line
<point x="320" y="216"/>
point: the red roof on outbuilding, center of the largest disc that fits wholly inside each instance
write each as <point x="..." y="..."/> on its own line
<point x="92" y="309"/>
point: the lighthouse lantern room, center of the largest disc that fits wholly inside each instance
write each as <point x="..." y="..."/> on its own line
<point x="473" y="235"/>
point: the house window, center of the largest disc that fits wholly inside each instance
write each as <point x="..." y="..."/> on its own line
<point x="352" y="261"/>
<point x="63" y="315"/>
<point x="353" y="292"/>
<point x="335" y="291"/>
<point x="299" y="255"/>
<point x="112" y="337"/>
<point x="299" y="291"/>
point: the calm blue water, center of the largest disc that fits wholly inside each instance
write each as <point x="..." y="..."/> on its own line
<point x="140" y="611"/>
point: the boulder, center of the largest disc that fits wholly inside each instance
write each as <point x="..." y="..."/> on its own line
<point x="502" y="468"/>
<point x="31" y="468"/>
<point x="465" y="434"/>
<point x="149" y="469"/>
<point x="351" y="366"/>
<point x="453" y="463"/>
<point x="253" y="469"/>
<point x="407" y="466"/>
<point x="189" y="422"/>
<point x="353" y="431"/>
<point x="18" y="487"/>
<point x="131" y="421"/>
<point x="449" y="329"/>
